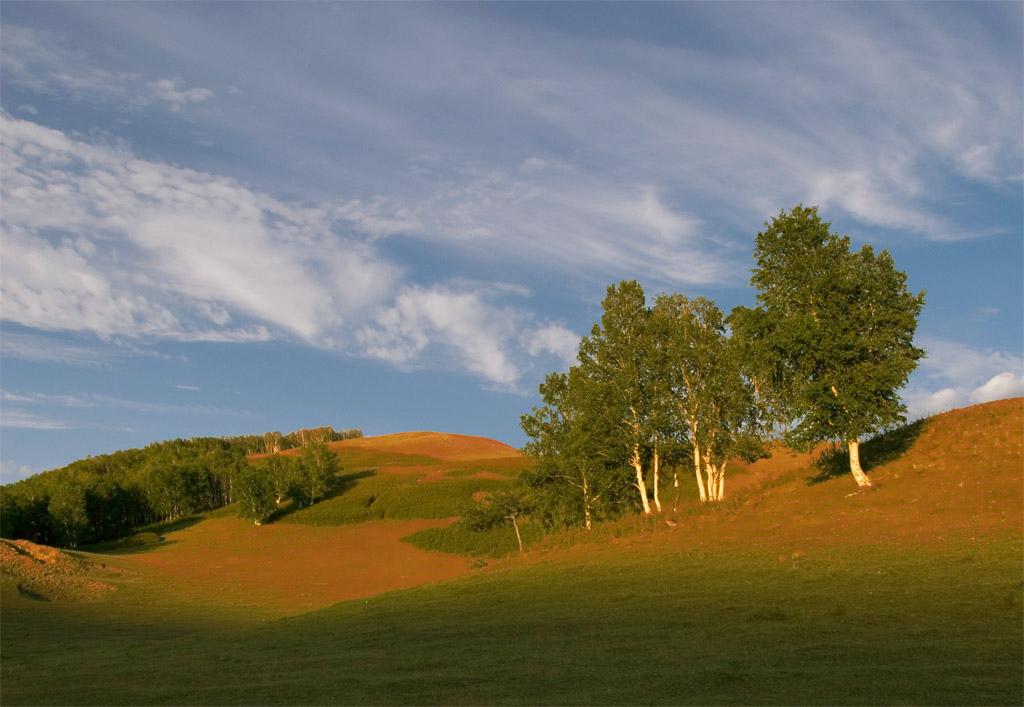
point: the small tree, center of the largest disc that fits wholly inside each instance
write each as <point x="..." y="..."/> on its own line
<point x="574" y="470"/>
<point x="254" y="490"/>
<point x="832" y="336"/>
<point x="505" y="506"/>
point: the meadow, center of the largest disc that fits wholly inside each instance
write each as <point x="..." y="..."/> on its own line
<point x="795" y="591"/>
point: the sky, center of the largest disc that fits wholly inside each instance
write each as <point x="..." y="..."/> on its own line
<point x="228" y="218"/>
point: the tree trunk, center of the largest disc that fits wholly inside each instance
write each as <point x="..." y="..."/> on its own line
<point x="640" y="485"/>
<point x="721" y="482"/>
<point x="858" y="474"/>
<point x="586" y="503"/>
<point x="700" y="476"/>
<point x="657" y="502"/>
<point x="675" y="484"/>
<point x="518" y="536"/>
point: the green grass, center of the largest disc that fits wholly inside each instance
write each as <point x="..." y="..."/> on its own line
<point x="602" y="625"/>
<point x="392" y="496"/>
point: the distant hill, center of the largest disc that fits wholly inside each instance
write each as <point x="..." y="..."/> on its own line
<point x="440" y="445"/>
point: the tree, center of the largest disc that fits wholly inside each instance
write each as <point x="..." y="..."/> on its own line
<point x="615" y="358"/>
<point x="505" y="506"/>
<point x="703" y="388"/>
<point x="832" y="336"/>
<point x="284" y="475"/>
<point x="574" y="475"/>
<point x="254" y="490"/>
<point x="318" y="465"/>
<point x="67" y="508"/>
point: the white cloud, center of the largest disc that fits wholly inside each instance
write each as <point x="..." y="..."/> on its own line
<point x="463" y="324"/>
<point x="149" y="247"/>
<point x="957" y="375"/>
<point x="170" y="90"/>
<point x="1003" y="385"/>
<point x="11" y="472"/>
<point x="553" y="339"/>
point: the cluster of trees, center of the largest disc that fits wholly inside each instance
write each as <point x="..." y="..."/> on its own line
<point x="274" y="442"/>
<point x="262" y="487"/>
<point x="821" y="356"/>
<point x="100" y="498"/>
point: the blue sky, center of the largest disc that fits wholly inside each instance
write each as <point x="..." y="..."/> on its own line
<point x="228" y="218"/>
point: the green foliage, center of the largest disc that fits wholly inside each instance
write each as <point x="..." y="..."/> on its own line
<point x="253" y="489"/>
<point x="460" y="539"/>
<point x="832" y="336"/>
<point x="67" y="507"/>
<point x="318" y="466"/>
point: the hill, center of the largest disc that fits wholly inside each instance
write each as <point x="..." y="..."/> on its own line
<point x="797" y="590"/>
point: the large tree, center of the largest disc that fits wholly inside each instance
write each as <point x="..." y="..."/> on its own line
<point x="616" y="359"/>
<point x="832" y="335"/>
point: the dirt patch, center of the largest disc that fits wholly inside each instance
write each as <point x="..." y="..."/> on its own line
<point x="294" y="568"/>
<point x="47" y="574"/>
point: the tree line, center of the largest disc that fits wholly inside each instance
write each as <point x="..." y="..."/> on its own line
<point x="679" y="383"/>
<point x="100" y="498"/>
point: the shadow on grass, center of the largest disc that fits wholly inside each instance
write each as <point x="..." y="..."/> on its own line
<point x="881" y="449"/>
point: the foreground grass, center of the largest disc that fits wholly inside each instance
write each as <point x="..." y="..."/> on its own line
<point x="614" y="624"/>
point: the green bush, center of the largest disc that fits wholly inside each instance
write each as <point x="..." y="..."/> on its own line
<point x="459" y="539"/>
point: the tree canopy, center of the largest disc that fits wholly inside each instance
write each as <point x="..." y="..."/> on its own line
<point x="831" y="339"/>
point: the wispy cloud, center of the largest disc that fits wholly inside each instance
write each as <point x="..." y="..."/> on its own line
<point x="39" y="60"/>
<point x="158" y="250"/>
<point x="93" y="400"/>
<point x="29" y="421"/>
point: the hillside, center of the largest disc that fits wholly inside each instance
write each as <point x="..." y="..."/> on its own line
<point x="796" y="590"/>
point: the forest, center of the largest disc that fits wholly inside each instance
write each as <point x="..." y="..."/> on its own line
<point x="100" y="498"/>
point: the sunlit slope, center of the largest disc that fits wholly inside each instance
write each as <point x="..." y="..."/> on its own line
<point x="956" y="473"/>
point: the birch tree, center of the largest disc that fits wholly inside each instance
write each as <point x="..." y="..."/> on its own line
<point x="703" y="387"/>
<point x="832" y="335"/>
<point x="615" y="358"/>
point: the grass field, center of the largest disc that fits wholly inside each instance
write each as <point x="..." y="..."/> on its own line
<point x="794" y="592"/>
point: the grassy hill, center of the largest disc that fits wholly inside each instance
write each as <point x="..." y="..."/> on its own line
<point x="795" y="591"/>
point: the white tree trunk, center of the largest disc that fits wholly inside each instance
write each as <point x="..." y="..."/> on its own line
<point x="699" y="473"/>
<point x="586" y="503"/>
<point x="657" y="502"/>
<point x="518" y="536"/>
<point x="858" y="474"/>
<point x="675" y="484"/>
<point x="640" y="485"/>
<point x="721" y="482"/>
